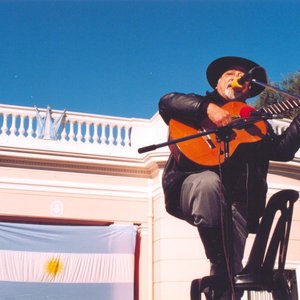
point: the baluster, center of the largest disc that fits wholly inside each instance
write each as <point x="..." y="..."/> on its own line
<point x="277" y="129"/>
<point x="126" y="137"/>
<point x="95" y="136"/>
<point x="79" y="132"/>
<point x="22" y="129"/>
<point x="64" y="132"/>
<point x="119" y="135"/>
<point x="30" y="129"/>
<point x="4" y="128"/>
<point x="87" y="136"/>
<point x="103" y="135"/>
<point x="71" y="133"/>
<point x="13" y="129"/>
<point x="111" y="135"/>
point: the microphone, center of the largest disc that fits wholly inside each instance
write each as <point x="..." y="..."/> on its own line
<point x="249" y="111"/>
<point x="238" y="83"/>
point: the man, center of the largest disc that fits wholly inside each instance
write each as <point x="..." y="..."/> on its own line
<point x="198" y="193"/>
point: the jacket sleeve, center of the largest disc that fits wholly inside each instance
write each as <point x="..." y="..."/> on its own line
<point x="284" y="146"/>
<point x="187" y="108"/>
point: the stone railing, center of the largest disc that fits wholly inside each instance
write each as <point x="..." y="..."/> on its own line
<point x="77" y="132"/>
<point x="20" y="122"/>
<point x="279" y="125"/>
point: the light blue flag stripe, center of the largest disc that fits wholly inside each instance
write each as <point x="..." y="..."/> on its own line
<point x="48" y="291"/>
<point x="52" y="238"/>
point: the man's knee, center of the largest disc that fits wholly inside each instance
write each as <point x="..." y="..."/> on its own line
<point x="201" y="198"/>
<point x="206" y="184"/>
<point x="204" y="180"/>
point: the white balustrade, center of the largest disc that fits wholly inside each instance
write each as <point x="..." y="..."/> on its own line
<point x="20" y="123"/>
<point x="85" y="129"/>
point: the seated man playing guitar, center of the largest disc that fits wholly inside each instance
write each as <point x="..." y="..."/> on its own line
<point x="198" y="180"/>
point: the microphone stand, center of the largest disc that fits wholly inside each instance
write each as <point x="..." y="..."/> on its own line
<point x="267" y="86"/>
<point x="223" y="135"/>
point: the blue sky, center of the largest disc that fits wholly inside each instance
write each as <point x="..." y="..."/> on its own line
<point x="119" y="57"/>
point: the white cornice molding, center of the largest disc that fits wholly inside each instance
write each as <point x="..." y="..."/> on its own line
<point x="92" y="167"/>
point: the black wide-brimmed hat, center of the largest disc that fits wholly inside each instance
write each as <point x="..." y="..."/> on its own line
<point x="219" y="66"/>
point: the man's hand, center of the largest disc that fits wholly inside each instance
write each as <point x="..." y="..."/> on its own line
<point x="218" y="115"/>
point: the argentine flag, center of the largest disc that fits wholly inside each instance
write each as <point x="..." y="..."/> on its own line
<point x="66" y="262"/>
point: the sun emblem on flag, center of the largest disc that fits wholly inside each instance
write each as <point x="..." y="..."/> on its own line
<point x="53" y="266"/>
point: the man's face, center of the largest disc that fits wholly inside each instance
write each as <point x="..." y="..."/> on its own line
<point x="224" y="85"/>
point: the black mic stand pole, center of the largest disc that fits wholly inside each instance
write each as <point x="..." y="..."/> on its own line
<point x="224" y="136"/>
<point x="274" y="89"/>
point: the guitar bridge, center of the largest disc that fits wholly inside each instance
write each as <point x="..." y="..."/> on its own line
<point x="208" y="139"/>
<point x="210" y="142"/>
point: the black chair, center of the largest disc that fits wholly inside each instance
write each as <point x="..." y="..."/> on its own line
<point x="259" y="273"/>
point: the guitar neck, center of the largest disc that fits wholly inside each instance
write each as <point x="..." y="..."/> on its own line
<point x="282" y="106"/>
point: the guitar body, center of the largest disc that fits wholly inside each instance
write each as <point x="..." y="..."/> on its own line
<point x="206" y="150"/>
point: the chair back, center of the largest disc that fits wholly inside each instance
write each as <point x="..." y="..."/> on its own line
<point x="258" y="274"/>
<point x="263" y="255"/>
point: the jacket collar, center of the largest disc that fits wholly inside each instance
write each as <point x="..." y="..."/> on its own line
<point x="215" y="97"/>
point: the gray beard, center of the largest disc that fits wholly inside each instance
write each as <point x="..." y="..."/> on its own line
<point x="232" y="94"/>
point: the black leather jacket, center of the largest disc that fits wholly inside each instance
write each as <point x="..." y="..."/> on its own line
<point x="244" y="174"/>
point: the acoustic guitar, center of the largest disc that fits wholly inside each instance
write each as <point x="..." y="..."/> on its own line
<point x="207" y="150"/>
